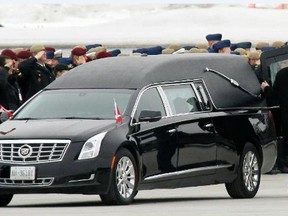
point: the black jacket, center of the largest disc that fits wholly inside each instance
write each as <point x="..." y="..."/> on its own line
<point x="36" y="76"/>
<point x="9" y="90"/>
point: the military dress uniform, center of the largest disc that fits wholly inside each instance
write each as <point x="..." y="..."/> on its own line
<point x="278" y="95"/>
<point x="37" y="76"/>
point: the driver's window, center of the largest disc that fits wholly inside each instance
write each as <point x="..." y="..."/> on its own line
<point x="150" y="101"/>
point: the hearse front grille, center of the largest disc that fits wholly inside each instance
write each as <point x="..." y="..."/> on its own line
<point x="36" y="182"/>
<point x="32" y="151"/>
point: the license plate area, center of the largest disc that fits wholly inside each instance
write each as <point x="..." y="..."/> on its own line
<point x="22" y="173"/>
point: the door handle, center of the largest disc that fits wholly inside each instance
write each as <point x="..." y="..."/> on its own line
<point x="171" y="131"/>
<point x="208" y="126"/>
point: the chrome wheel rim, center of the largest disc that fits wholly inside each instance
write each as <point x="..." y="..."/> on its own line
<point x="125" y="177"/>
<point x="250" y="171"/>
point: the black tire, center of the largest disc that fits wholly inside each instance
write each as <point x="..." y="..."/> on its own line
<point x="5" y="199"/>
<point x="247" y="183"/>
<point x="126" y="178"/>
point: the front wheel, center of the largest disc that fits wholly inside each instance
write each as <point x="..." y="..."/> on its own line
<point x="5" y="199"/>
<point x="247" y="183"/>
<point x="124" y="180"/>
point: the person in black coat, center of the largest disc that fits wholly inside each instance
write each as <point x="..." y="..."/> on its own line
<point x="10" y="97"/>
<point x="278" y="94"/>
<point x="37" y="74"/>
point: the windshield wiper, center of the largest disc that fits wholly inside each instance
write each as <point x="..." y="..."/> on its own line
<point x="25" y="119"/>
<point x="92" y="118"/>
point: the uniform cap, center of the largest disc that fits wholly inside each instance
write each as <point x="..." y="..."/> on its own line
<point x="78" y="51"/>
<point x="35" y="48"/>
<point x="174" y="47"/>
<point x="97" y="50"/>
<point x="278" y="44"/>
<point x="9" y="53"/>
<point x="244" y="45"/>
<point x="261" y="45"/>
<point x="115" y="52"/>
<point x="254" y="55"/>
<point x="66" y="61"/>
<point x="50" y="49"/>
<point x="24" y="54"/>
<point x="103" y="54"/>
<point x="58" y="54"/>
<point x="90" y="46"/>
<point x="168" y="51"/>
<point x="241" y="51"/>
<point x="213" y="37"/>
<point x="221" y="44"/>
<point x="49" y="54"/>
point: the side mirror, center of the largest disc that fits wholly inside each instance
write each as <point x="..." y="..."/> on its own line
<point x="3" y="117"/>
<point x="150" y="116"/>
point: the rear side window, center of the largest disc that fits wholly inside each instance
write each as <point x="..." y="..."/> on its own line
<point x="274" y="68"/>
<point x="181" y="98"/>
<point x="150" y="101"/>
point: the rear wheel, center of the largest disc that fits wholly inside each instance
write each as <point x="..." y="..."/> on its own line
<point x="247" y="183"/>
<point x="5" y="199"/>
<point x="124" y="180"/>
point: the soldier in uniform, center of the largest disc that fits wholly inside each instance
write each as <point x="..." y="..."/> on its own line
<point x="9" y="89"/>
<point x="36" y="72"/>
<point x="278" y="94"/>
<point x="254" y="61"/>
<point x="212" y="39"/>
<point x="222" y="46"/>
<point x="246" y="46"/>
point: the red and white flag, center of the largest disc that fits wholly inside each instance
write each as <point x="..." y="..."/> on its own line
<point x="118" y="116"/>
<point x="2" y="109"/>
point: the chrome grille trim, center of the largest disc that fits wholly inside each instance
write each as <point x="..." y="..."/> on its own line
<point x="26" y="183"/>
<point x="43" y="151"/>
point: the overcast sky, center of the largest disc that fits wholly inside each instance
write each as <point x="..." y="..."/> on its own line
<point x="141" y="1"/>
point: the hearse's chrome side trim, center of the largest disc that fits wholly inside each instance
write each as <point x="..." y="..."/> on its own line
<point x="177" y="173"/>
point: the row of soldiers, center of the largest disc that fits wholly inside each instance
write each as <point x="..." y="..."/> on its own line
<point x="24" y="72"/>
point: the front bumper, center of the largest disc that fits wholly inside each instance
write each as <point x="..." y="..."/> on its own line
<point x="69" y="175"/>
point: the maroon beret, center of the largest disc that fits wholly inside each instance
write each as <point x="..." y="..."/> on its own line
<point x="9" y="53"/>
<point x="50" y="49"/>
<point x="103" y="54"/>
<point x="78" y="51"/>
<point x="24" y="54"/>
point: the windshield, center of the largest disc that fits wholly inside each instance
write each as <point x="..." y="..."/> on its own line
<point x="79" y="103"/>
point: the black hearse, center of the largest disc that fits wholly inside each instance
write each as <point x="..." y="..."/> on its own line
<point x="181" y="120"/>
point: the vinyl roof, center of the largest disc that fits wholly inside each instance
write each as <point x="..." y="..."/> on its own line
<point x="137" y="72"/>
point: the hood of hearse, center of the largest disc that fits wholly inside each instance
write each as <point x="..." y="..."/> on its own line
<point x="72" y="129"/>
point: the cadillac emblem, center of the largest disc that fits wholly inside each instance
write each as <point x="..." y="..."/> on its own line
<point x="25" y="151"/>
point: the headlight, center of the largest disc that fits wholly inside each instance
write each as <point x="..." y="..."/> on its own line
<point x="92" y="146"/>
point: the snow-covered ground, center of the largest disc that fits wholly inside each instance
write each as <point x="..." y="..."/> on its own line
<point x="138" y="24"/>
